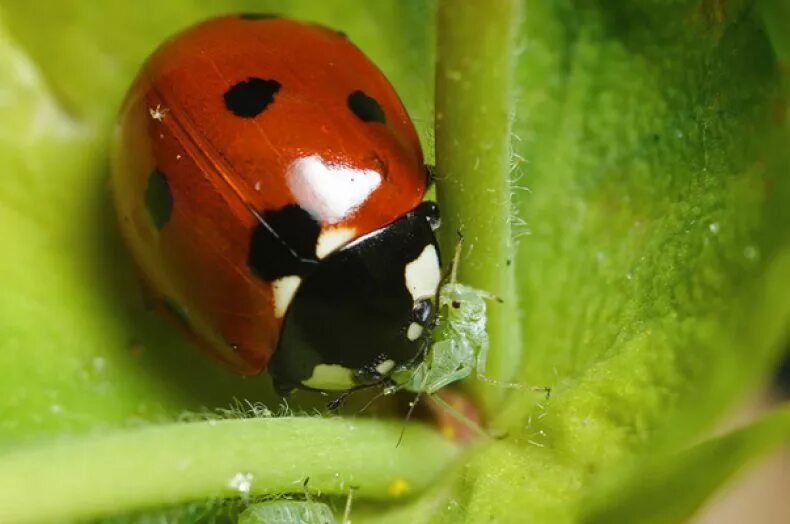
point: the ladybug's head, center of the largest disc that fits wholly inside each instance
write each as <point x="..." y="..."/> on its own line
<point x="363" y="313"/>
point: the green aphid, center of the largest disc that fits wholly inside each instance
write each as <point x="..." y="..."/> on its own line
<point x="288" y="512"/>
<point x="460" y="341"/>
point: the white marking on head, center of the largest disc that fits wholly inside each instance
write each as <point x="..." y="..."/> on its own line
<point x="414" y="332"/>
<point x="385" y="367"/>
<point x="331" y="191"/>
<point x="283" y="291"/>
<point x="330" y="377"/>
<point x="332" y="238"/>
<point x="423" y="274"/>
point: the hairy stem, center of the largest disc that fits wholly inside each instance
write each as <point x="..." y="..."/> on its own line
<point x="474" y="100"/>
<point x="175" y="463"/>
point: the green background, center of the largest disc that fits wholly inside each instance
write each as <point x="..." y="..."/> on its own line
<point x="646" y="191"/>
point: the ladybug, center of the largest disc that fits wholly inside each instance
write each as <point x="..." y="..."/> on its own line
<point x="269" y="185"/>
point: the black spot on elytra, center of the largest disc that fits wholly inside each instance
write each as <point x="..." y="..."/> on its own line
<point x="283" y="243"/>
<point x="250" y="97"/>
<point x="365" y="108"/>
<point x="158" y="199"/>
<point x="258" y="16"/>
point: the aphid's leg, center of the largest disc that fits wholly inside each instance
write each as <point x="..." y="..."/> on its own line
<point x="490" y="296"/>
<point x="412" y="406"/>
<point x="457" y="415"/>
<point x="457" y="375"/>
<point x="306" y="490"/>
<point x="347" y="510"/>
<point x="481" y="375"/>
<point x="388" y="388"/>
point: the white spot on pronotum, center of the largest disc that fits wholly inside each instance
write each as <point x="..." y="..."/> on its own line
<point x="423" y="274"/>
<point x="331" y="191"/>
<point x="283" y="290"/>
<point x="178" y="156"/>
<point x="257" y="185"/>
<point x="330" y="377"/>
<point x="158" y="113"/>
<point x="714" y="227"/>
<point x="241" y="482"/>
<point x="414" y="332"/>
<point x="385" y="367"/>
<point x="332" y="238"/>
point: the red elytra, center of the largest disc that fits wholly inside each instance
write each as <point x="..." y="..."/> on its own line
<point x="237" y="116"/>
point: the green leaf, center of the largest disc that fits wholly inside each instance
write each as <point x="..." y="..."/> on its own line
<point x="646" y="194"/>
<point x="670" y="491"/>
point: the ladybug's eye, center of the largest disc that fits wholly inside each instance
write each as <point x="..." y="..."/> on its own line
<point x="422" y="311"/>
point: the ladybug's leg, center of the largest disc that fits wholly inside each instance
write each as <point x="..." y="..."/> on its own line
<point x="338" y="401"/>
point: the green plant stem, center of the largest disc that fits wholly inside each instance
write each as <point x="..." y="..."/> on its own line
<point x="474" y="96"/>
<point x="175" y="463"/>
